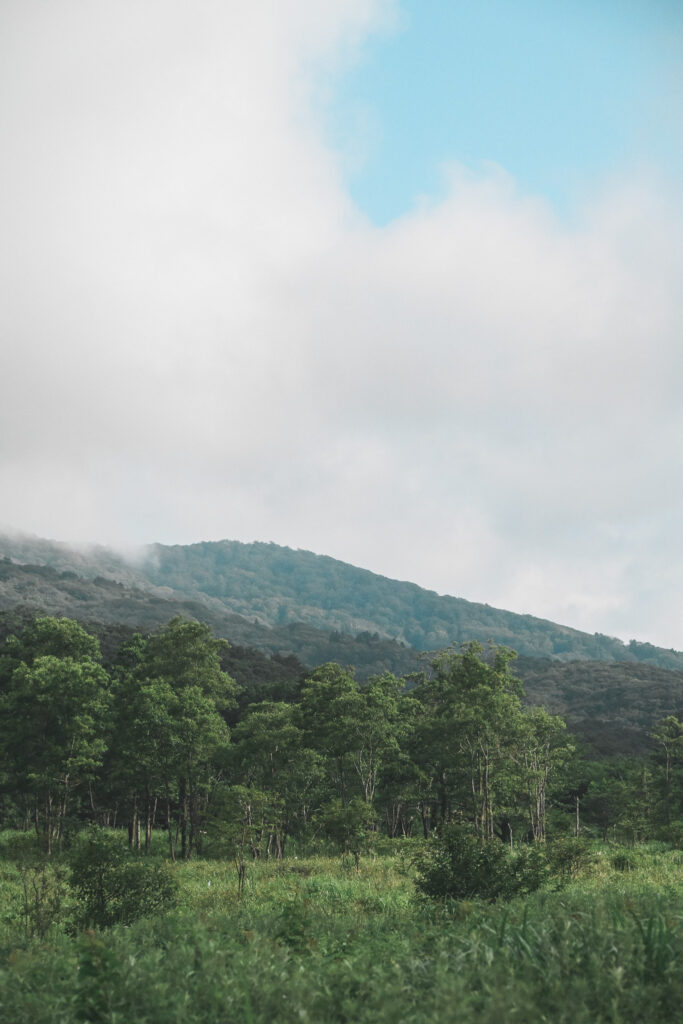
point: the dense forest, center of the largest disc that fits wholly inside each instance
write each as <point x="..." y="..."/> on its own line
<point x="277" y="586"/>
<point x="610" y="705"/>
<point x="26" y="590"/>
<point x="164" y="737"/>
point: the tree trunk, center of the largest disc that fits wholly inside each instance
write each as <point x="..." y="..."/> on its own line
<point x="134" y="825"/>
<point x="182" y="798"/>
<point x="148" y="820"/>
<point x="169" y="826"/>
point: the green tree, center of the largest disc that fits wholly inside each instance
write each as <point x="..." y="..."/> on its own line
<point x="54" y="718"/>
<point x="468" y="732"/>
<point x="139" y="767"/>
<point x="240" y="819"/>
<point x="46" y="635"/>
<point x="186" y="653"/>
<point x="612" y="802"/>
<point x="456" y="864"/>
<point x="330" y="709"/>
<point x="171" y="698"/>
<point x="401" y="779"/>
<point x="113" y="886"/>
<point x="377" y="729"/>
<point x="542" y="752"/>
<point x="200" y="734"/>
<point x="268" y="752"/>
<point x="348" y="825"/>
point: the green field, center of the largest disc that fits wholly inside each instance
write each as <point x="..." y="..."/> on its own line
<point x="314" y="940"/>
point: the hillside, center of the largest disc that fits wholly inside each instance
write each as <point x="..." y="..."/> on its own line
<point x="610" y="704"/>
<point x="112" y="609"/>
<point x="277" y="586"/>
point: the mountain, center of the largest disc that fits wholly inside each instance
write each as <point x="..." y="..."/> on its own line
<point x="276" y="586"/>
<point x="284" y="611"/>
<point x="610" y="705"/>
<point x="113" y="611"/>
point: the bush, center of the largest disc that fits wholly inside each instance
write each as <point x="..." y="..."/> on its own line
<point x="21" y="847"/>
<point x="569" y="855"/>
<point x="45" y="891"/>
<point x="457" y="865"/>
<point x="624" y="861"/>
<point x="115" y="886"/>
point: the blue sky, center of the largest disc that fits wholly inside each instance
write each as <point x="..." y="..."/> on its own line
<point x="560" y="94"/>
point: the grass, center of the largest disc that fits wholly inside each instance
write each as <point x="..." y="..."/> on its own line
<point x="313" y="941"/>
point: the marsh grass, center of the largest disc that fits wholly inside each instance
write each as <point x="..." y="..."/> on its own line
<point x="312" y="940"/>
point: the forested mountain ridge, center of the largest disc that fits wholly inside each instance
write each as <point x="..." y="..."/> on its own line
<point x="611" y="705"/>
<point x="109" y="609"/>
<point x="278" y="586"/>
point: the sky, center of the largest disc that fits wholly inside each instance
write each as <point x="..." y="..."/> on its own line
<point x="396" y="281"/>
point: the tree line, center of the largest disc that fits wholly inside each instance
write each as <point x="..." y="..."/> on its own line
<point x="166" y="740"/>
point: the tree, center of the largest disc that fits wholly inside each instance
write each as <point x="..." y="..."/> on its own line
<point x="53" y="733"/>
<point x="186" y="653"/>
<point x="456" y="864"/>
<point x="171" y="697"/>
<point x="348" y="825"/>
<point x="46" y="635"/>
<point x="376" y="730"/>
<point x="142" y="763"/>
<point x="401" y="780"/>
<point x="468" y="731"/>
<point x="613" y="790"/>
<point x="542" y="750"/>
<point x="356" y="729"/>
<point x="268" y="753"/>
<point x="111" y="885"/>
<point x="330" y="709"/>
<point x="240" y="818"/>
<point x="668" y="758"/>
<point x="199" y="733"/>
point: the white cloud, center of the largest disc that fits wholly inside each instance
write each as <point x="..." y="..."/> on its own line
<point x="203" y="338"/>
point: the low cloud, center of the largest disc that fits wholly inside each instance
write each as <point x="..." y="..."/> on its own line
<point x="203" y="338"/>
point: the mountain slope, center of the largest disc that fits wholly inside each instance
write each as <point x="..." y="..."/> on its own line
<point x="610" y="705"/>
<point x="111" y="610"/>
<point x="278" y="586"/>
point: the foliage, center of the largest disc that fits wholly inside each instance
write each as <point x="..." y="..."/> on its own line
<point x="311" y="941"/>
<point x="148" y="744"/>
<point x="45" y="891"/>
<point x="281" y="587"/>
<point x="158" y="737"/>
<point x="348" y="825"/>
<point x="114" y="886"/>
<point x="569" y="855"/>
<point x="458" y="865"/>
<point x="480" y="753"/>
<point x="611" y="704"/>
<point x="52" y="719"/>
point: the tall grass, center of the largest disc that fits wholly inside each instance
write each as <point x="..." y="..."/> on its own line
<point x="311" y="940"/>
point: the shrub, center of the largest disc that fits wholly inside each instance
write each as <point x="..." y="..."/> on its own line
<point x="44" y="892"/>
<point x="623" y="861"/>
<point x="115" y="886"/>
<point x="457" y="865"/>
<point x="569" y="855"/>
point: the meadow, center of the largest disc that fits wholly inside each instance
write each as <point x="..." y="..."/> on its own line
<point x="312" y="939"/>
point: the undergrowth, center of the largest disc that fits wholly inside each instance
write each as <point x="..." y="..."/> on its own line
<point x="313" y="940"/>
